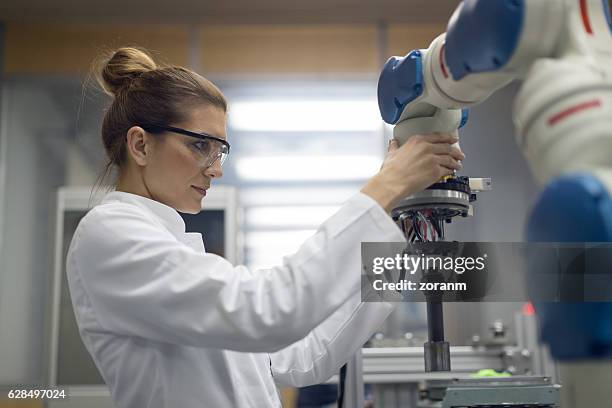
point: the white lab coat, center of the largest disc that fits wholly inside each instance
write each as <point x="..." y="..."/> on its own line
<point x="169" y="325"/>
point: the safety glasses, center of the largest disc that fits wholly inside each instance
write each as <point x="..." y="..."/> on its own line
<point x="208" y="148"/>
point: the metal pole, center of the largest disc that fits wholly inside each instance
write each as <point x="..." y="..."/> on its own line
<point x="353" y="383"/>
<point x="435" y="321"/>
<point x="3" y="135"/>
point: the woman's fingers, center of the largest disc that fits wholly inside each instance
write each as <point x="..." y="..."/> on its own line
<point x="440" y="138"/>
<point x="417" y="164"/>
<point x="443" y="148"/>
<point x="456" y="153"/>
<point x="449" y="162"/>
<point x="391" y="151"/>
<point x="393" y="145"/>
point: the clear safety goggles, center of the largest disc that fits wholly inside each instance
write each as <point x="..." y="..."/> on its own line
<point x="208" y="149"/>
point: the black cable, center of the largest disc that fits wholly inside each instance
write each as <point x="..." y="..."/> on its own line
<point x="435" y="225"/>
<point x="415" y="227"/>
<point x="341" y="382"/>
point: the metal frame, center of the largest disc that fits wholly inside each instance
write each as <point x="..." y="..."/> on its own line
<point x="388" y="366"/>
<point x="511" y="392"/>
<point x="392" y="365"/>
<point x="81" y="199"/>
<point x="3" y="134"/>
<point x="527" y="338"/>
<point x="405" y="365"/>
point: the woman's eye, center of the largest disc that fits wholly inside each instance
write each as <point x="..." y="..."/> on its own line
<point x="201" y="146"/>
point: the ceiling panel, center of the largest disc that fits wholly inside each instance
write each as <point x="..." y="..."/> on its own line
<point x="236" y="11"/>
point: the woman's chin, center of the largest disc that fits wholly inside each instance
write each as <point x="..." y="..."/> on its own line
<point x="192" y="210"/>
<point x="192" y="207"/>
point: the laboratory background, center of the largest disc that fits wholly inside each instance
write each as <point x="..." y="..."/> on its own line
<point x="301" y="79"/>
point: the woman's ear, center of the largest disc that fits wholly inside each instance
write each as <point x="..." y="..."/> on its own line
<point x="136" y="145"/>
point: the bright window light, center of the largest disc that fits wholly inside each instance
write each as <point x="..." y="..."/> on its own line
<point x="289" y="216"/>
<point x="305" y="115"/>
<point x="267" y="248"/>
<point x="286" y="196"/>
<point x="280" y="242"/>
<point x="284" y="168"/>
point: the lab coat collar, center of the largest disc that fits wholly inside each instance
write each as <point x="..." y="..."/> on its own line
<point x="167" y="215"/>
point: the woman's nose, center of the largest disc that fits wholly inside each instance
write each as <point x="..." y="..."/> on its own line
<point x="215" y="170"/>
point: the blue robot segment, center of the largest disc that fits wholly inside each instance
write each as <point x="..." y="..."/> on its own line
<point x="484" y="36"/>
<point x="607" y="13"/>
<point x="465" y="114"/>
<point x="574" y="208"/>
<point x="576" y="331"/>
<point x="400" y="82"/>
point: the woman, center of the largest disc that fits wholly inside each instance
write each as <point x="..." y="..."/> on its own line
<point x="169" y="325"/>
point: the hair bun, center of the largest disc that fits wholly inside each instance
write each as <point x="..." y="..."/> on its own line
<point x="122" y="67"/>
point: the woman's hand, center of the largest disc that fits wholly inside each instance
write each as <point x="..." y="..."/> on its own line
<point x="419" y="163"/>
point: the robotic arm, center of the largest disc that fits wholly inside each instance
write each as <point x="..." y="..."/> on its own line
<point x="562" y="51"/>
<point x="561" y="48"/>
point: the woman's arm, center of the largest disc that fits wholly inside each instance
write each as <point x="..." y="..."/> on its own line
<point x="320" y="355"/>
<point x="130" y="277"/>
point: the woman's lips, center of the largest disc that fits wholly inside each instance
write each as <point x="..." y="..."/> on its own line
<point x="199" y="190"/>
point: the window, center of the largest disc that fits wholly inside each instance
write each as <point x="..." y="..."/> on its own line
<point x="302" y="149"/>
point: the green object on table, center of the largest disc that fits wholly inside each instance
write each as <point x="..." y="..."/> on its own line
<point x="489" y="372"/>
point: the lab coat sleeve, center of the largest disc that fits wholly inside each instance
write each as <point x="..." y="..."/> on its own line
<point x="139" y="280"/>
<point x="323" y="351"/>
